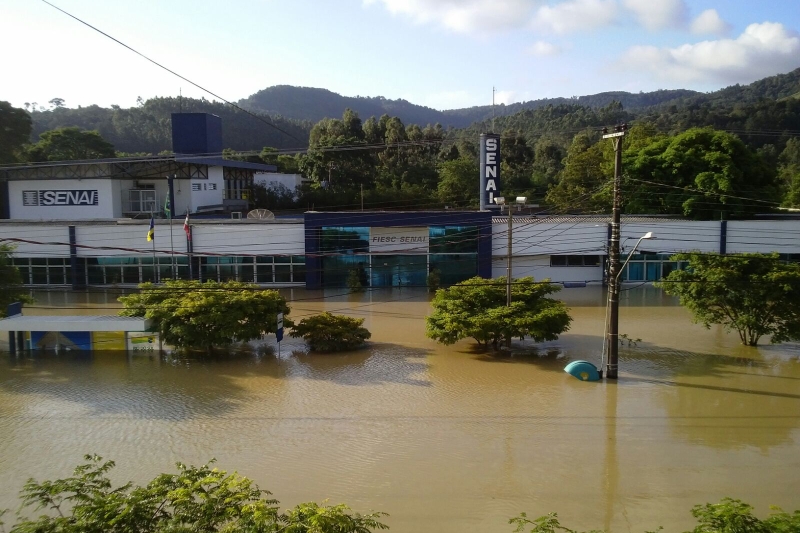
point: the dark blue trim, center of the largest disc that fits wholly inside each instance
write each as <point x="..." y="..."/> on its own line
<point x="75" y="272"/>
<point x="314" y="222"/>
<point x="723" y="237"/>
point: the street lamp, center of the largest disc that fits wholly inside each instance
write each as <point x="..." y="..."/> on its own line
<point x="501" y="201"/>
<point x="612" y="339"/>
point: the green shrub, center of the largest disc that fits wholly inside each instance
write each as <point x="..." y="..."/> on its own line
<point x="199" y="499"/>
<point x="331" y="333"/>
<point x="434" y="280"/>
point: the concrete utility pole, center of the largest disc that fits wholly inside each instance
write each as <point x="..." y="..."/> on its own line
<point x="508" y="258"/>
<point x="612" y="338"/>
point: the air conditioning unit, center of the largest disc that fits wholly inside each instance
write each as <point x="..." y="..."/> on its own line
<point x="237" y="215"/>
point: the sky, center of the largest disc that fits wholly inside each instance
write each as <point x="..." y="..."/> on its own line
<point x="444" y="54"/>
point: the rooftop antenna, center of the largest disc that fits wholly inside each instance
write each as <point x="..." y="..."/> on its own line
<point x="493" y="91"/>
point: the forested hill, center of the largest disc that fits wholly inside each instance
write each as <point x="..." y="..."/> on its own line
<point x="308" y="103"/>
<point x="769" y="104"/>
<point x="147" y="128"/>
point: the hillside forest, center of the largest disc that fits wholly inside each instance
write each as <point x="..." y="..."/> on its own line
<point x="727" y="154"/>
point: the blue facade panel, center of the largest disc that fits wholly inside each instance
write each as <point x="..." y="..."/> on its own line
<point x="196" y="133"/>
<point x="314" y="222"/>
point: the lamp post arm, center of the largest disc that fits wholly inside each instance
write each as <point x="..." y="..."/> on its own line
<point x="622" y="268"/>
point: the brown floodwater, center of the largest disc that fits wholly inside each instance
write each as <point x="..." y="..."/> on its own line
<point x="444" y="439"/>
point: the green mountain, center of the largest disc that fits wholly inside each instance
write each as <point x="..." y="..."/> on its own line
<point x="148" y="128"/>
<point x="769" y="104"/>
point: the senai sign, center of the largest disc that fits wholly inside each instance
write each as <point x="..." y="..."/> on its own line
<point x="59" y="198"/>
<point x="490" y="169"/>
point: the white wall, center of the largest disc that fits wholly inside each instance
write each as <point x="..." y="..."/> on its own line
<point x="673" y="236"/>
<point x="547" y="238"/>
<point x="106" y="206"/>
<point x="782" y="236"/>
<point x="539" y="267"/>
<point x="249" y="238"/>
<point x="45" y="233"/>
<point x="211" y="191"/>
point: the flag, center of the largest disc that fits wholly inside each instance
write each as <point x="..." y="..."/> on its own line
<point x="151" y="233"/>
<point x="186" y="227"/>
<point x="167" y="207"/>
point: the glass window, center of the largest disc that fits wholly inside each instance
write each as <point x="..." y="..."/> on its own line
<point x="557" y="260"/>
<point x="635" y="271"/>
<point x="38" y="276"/>
<point x="574" y="260"/>
<point x="454" y="268"/>
<point x="264" y="273"/>
<point x="283" y="273"/>
<point x="453" y="239"/>
<point x="57" y="276"/>
<point x="653" y="271"/>
<point x="591" y="260"/>
<point x="130" y="274"/>
<point x="344" y="240"/>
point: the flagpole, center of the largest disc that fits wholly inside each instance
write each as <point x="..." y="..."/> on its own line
<point x="171" y="200"/>
<point x="155" y="265"/>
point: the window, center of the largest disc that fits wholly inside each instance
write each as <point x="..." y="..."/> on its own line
<point x="574" y="260"/>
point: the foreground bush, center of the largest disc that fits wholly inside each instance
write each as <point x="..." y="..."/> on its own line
<point x="727" y="516"/>
<point x="196" y="499"/>
<point x="332" y="333"/>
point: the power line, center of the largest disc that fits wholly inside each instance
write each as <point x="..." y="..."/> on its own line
<point x="173" y="72"/>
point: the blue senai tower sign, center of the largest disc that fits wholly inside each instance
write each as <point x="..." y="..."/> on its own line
<point x="490" y="170"/>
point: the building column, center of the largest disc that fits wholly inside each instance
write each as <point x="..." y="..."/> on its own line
<point x="77" y="277"/>
<point x="723" y="237"/>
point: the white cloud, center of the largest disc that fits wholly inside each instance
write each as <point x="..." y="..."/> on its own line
<point x="659" y="14"/>
<point x="710" y="23"/>
<point x="575" y="15"/>
<point x="463" y="16"/>
<point x="762" y="50"/>
<point x="505" y="97"/>
<point x="544" y="49"/>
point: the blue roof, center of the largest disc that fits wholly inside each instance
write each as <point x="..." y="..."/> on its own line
<point x="220" y="162"/>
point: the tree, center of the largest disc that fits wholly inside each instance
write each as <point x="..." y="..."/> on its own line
<point x="198" y="499"/>
<point x="67" y="144"/>
<point x="15" y="131"/>
<point x="191" y="314"/>
<point x="789" y="173"/>
<point x="706" y="174"/>
<point x="458" y="182"/>
<point x="332" y="333"/>
<point x="11" y="289"/>
<point x="477" y="308"/>
<point x="754" y="294"/>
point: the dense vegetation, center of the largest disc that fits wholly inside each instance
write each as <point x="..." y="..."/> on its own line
<point x="724" y="154"/>
<point x="207" y="500"/>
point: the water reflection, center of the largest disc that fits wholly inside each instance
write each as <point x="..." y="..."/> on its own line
<point x="443" y="438"/>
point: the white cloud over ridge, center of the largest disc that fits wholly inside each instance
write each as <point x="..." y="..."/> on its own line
<point x="659" y="14"/>
<point x="761" y="50"/>
<point x="710" y="23"/>
<point x="463" y="16"/>
<point x="575" y="15"/>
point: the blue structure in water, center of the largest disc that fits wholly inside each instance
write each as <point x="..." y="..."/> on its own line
<point x="583" y="370"/>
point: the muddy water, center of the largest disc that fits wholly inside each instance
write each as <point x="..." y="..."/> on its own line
<point x="445" y="439"/>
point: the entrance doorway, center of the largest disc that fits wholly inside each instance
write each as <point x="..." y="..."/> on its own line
<point x="399" y="270"/>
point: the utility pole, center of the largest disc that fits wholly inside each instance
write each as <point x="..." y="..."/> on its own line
<point x="613" y="256"/>
<point x="508" y="258"/>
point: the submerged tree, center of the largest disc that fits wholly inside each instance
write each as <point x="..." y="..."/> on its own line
<point x="191" y="314"/>
<point x="754" y="294"/>
<point x="332" y="333"/>
<point x="477" y="308"/>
